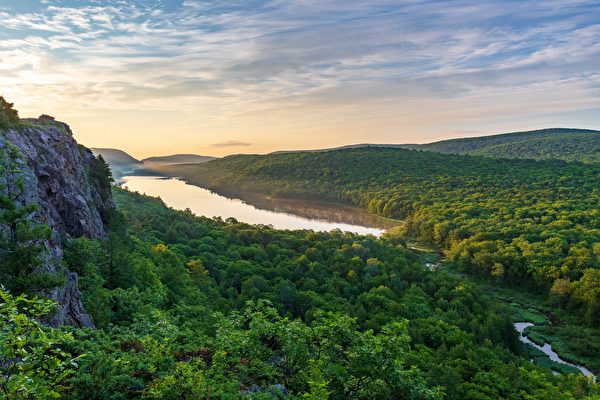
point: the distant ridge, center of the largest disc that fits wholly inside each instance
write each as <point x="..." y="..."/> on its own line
<point x="178" y="159"/>
<point x="560" y="143"/>
<point x="567" y="144"/>
<point x="115" y="156"/>
<point x="348" y="146"/>
<point x="122" y="163"/>
<point x="119" y="161"/>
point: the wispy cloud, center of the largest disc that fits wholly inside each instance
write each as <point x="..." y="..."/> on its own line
<point x="231" y="64"/>
<point x="231" y="143"/>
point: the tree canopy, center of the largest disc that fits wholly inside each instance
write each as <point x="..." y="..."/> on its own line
<point x="521" y="222"/>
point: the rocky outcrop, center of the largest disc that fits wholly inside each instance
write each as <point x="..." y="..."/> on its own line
<point x="58" y="176"/>
<point x="71" y="311"/>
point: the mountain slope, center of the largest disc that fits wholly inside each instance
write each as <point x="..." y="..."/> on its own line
<point x="177" y="159"/>
<point x="517" y="220"/>
<point x="565" y="144"/>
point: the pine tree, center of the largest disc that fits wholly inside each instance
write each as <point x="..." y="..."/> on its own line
<point x="101" y="174"/>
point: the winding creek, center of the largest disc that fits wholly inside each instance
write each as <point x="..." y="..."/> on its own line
<point x="547" y="349"/>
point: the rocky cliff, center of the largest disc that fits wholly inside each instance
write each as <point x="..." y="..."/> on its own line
<point x="59" y="176"/>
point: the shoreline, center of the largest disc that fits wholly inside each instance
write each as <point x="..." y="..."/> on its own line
<point x="307" y="208"/>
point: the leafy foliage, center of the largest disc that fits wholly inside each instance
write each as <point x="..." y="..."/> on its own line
<point x="33" y="364"/>
<point x="190" y="307"/>
<point x="9" y="117"/>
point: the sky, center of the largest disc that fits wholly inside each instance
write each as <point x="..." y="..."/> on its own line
<point x="156" y="77"/>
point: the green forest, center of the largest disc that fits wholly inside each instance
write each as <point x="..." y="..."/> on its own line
<point x="555" y="143"/>
<point x="195" y="308"/>
<point x="187" y="307"/>
<point x="526" y="223"/>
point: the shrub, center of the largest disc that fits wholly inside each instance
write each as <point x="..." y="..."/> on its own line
<point x="9" y="117"/>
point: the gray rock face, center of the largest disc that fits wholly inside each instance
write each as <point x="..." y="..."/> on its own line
<point x="56" y="173"/>
<point x="71" y="311"/>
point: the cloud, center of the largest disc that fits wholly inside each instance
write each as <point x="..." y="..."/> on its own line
<point x="382" y="62"/>
<point x="231" y="143"/>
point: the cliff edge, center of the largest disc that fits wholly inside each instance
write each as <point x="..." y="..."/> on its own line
<point x="60" y="177"/>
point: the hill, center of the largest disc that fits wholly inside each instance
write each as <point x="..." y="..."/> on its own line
<point x="177" y="159"/>
<point x="188" y="307"/>
<point x="526" y="222"/>
<point x="119" y="161"/>
<point x="123" y="164"/>
<point x="558" y="143"/>
<point x="115" y="156"/>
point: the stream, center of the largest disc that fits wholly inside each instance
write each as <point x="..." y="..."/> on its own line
<point x="547" y="349"/>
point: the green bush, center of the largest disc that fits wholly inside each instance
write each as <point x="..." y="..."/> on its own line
<point x="9" y="117"/>
<point x="33" y="364"/>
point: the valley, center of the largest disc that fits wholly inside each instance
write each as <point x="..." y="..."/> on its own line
<point x="359" y="273"/>
<point x="486" y="258"/>
<point x="299" y="200"/>
<point x="300" y="207"/>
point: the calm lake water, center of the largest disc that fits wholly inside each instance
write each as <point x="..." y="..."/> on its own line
<point x="281" y="214"/>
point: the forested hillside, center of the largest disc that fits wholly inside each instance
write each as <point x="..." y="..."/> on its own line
<point x="120" y="162"/>
<point x="564" y="144"/>
<point x="193" y="308"/>
<point x="530" y="223"/>
<point x="186" y="307"/>
<point x="177" y="159"/>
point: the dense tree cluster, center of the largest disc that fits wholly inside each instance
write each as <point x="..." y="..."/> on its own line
<point x="192" y="308"/>
<point x="9" y="117"/>
<point x="556" y="143"/>
<point x="195" y="308"/>
<point x="531" y="223"/>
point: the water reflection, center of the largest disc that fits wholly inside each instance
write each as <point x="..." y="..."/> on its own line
<point x="254" y="209"/>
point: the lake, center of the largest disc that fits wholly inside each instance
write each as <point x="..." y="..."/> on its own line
<point x="258" y="209"/>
